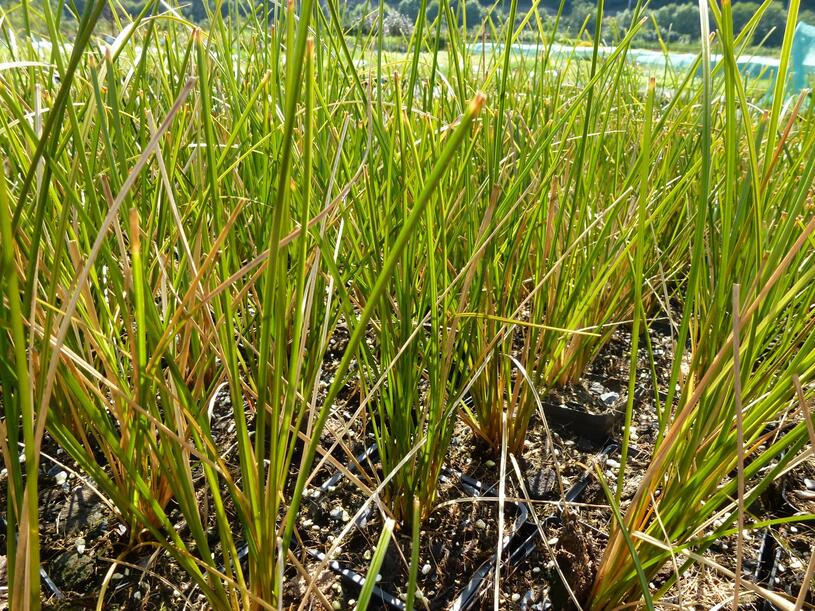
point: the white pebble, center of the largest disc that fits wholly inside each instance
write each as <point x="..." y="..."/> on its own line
<point x="480" y="524"/>
<point x="61" y="478"/>
<point x="609" y="398"/>
<point x="426" y="568"/>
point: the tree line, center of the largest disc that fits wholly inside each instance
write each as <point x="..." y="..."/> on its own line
<point x="671" y="21"/>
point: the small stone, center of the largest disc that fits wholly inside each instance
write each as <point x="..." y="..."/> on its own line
<point x="542" y="483"/>
<point x="367" y="555"/>
<point x="352" y="602"/>
<point x="536" y="569"/>
<point x="426" y="568"/>
<point x="345" y="516"/>
<point x="489" y="463"/>
<point x="137" y="595"/>
<point x="60" y="478"/>
<point x="116" y="576"/>
<point x="80" y="546"/>
<point x="378" y="578"/>
<point x="610" y="398"/>
<point x="336" y="513"/>
<point x="809" y="483"/>
<point x="612" y="463"/>
<point x="796" y="564"/>
<point x="597" y="388"/>
<point x="480" y="524"/>
<point x="515" y="597"/>
<point x="83" y="512"/>
<point x="336" y="605"/>
<point x="307" y="523"/>
<point x="72" y="570"/>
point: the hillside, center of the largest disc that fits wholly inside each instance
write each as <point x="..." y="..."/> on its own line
<point x="678" y="20"/>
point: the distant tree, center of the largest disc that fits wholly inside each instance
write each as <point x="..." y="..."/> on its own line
<point x="432" y="10"/>
<point x="409" y="8"/>
<point x="396" y="24"/>
<point x="742" y="13"/>
<point x="582" y="11"/>
<point x="678" y="20"/>
<point x="770" y="29"/>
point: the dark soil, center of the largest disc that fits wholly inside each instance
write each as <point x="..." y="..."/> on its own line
<point x="82" y="538"/>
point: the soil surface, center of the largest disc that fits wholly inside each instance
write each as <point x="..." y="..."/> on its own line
<point x="85" y="546"/>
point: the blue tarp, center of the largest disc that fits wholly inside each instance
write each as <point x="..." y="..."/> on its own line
<point x="803" y="57"/>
